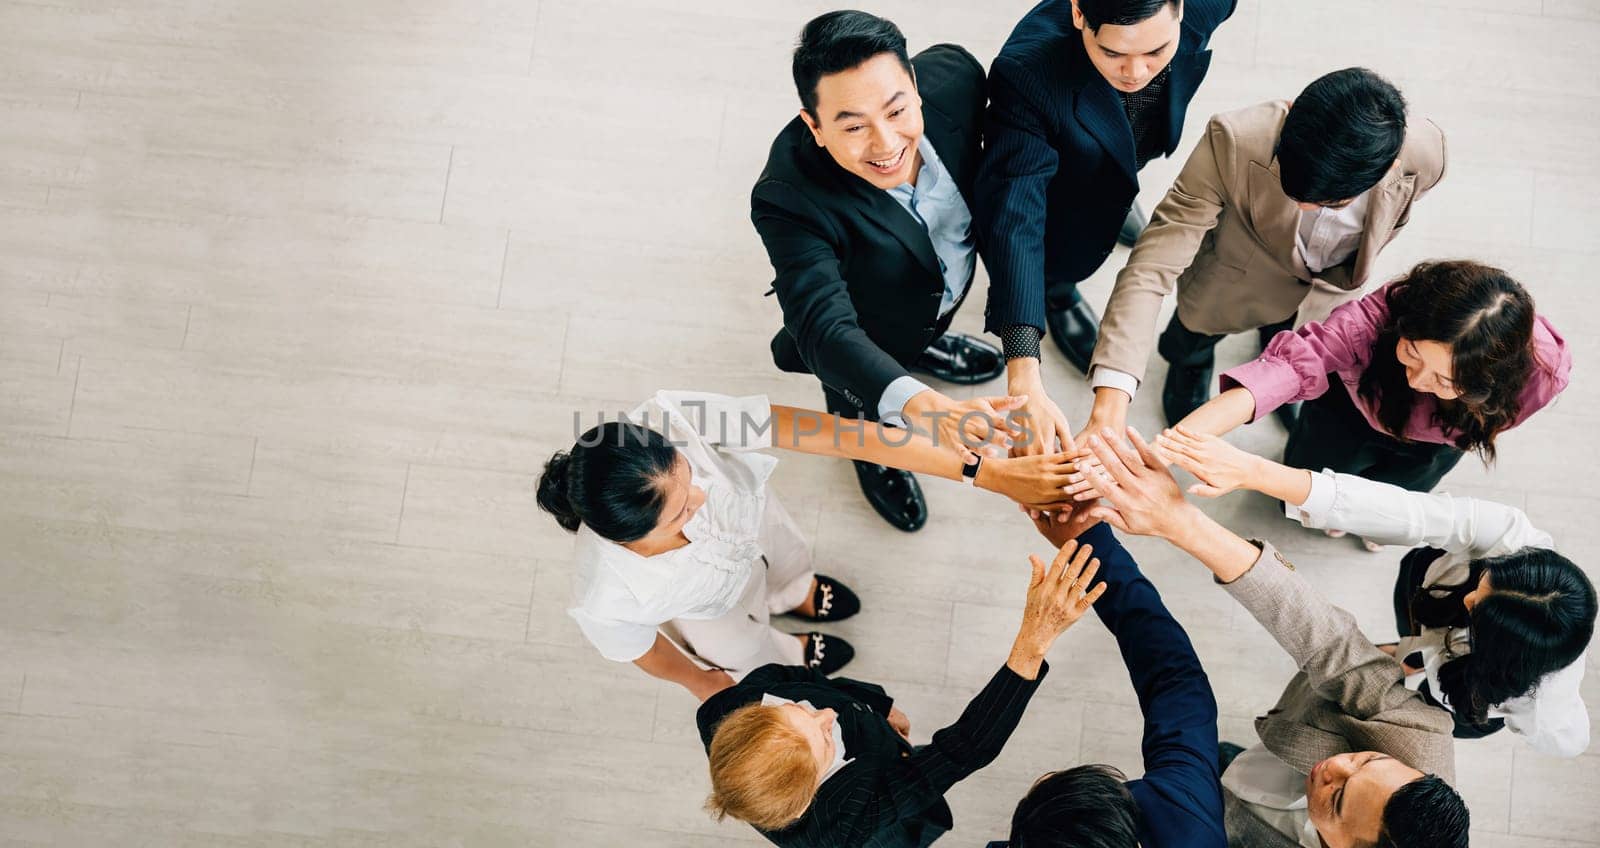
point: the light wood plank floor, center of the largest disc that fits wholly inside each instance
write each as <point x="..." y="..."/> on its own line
<point x="296" y="296"/>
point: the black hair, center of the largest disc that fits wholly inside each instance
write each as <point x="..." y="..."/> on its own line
<point x="839" y="41"/>
<point x="610" y="480"/>
<point x="1340" y="137"/>
<point x="1425" y="813"/>
<point x="1084" y="807"/>
<point x="1537" y="618"/>
<point x="1098" y="13"/>
<point x="1487" y="319"/>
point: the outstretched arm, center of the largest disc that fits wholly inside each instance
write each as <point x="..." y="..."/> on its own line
<point x="1339" y="661"/>
<point x="1035" y="480"/>
<point x="1377" y="511"/>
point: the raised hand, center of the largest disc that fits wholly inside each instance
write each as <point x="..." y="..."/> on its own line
<point x="1144" y="497"/>
<point x="1058" y="595"/>
<point x="1220" y="467"/>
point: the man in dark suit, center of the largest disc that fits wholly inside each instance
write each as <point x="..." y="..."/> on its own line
<point x="813" y="762"/>
<point x="1083" y="94"/>
<point x="1178" y="801"/>
<point x="862" y="208"/>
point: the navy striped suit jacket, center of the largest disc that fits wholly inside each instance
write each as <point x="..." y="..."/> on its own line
<point x="1059" y="173"/>
<point x="892" y="794"/>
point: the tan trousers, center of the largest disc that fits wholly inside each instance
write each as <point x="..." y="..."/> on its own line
<point x="744" y="640"/>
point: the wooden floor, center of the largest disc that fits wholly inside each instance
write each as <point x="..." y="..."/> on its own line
<point x="296" y="296"/>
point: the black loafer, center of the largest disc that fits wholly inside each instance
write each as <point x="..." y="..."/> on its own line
<point x="960" y="358"/>
<point x="1186" y="389"/>
<point x="895" y="494"/>
<point x="1132" y="225"/>
<point x="1075" y="328"/>
<point x="832" y="600"/>
<point x="827" y="654"/>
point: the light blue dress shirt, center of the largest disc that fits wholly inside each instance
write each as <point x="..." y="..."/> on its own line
<point x="935" y="202"/>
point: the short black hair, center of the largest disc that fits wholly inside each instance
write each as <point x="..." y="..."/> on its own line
<point x="1425" y="813"/>
<point x="1098" y="13"/>
<point x="1084" y="807"/>
<point x="1340" y="137"/>
<point x="839" y="41"/>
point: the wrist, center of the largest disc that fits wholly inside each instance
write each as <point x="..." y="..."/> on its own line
<point x="1109" y="400"/>
<point x="989" y="473"/>
<point x="1027" y="654"/>
<point x="1185" y="526"/>
<point x="1023" y="370"/>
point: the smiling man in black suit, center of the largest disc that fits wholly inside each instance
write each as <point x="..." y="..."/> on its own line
<point x="863" y="211"/>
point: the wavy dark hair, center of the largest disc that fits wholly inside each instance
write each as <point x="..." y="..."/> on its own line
<point x="1537" y="618"/>
<point x="1487" y="320"/>
<point x="610" y="480"/>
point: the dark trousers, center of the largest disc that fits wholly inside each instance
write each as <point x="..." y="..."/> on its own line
<point x="1332" y="433"/>
<point x="1413" y="568"/>
<point x="1183" y="347"/>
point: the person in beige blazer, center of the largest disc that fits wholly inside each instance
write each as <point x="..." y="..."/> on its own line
<point x="1279" y="203"/>
<point x="1349" y="756"/>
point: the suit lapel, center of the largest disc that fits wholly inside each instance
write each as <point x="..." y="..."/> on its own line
<point x="1273" y="215"/>
<point x="1187" y="72"/>
<point x="884" y="211"/>
<point x="1099" y="110"/>
<point x="1391" y="199"/>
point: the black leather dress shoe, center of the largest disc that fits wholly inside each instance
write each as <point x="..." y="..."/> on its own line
<point x="1186" y="389"/>
<point x="1075" y="330"/>
<point x="960" y="358"/>
<point x="895" y="494"/>
<point x="1132" y="226"/>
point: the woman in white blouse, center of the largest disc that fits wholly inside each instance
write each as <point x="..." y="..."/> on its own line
<point x="1500" y="621"/>
<point x="683" y="553"/>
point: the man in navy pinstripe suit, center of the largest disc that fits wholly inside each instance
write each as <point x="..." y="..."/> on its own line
<point x="1083" y="94"/>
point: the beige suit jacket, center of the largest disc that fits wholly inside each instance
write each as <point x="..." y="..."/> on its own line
<point x="1224" y="236"/>
<point x="1348" y="695"/>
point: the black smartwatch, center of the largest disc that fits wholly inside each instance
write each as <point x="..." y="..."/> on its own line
<point x="970" y="471"/>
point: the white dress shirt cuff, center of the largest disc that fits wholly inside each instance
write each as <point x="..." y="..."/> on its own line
<point x="892" y="403"/>
<point x="1319" y="503"/>
<point x="1111" y="377"/>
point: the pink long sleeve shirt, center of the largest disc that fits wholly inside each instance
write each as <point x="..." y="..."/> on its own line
<point x="1295" y="366"/>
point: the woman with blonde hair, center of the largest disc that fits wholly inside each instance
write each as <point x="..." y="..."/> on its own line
<point x="812" y="762"/>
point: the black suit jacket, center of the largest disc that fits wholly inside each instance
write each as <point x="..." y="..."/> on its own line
<point x="857" y="276"/>
<point x="891" y="794"/>
<point x="1060" y="173"/>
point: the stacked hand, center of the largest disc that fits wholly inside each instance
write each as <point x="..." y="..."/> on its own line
<point x="1144" y="497"/>
<point x="1219" y="466"/>
<point x="981" y="424"/>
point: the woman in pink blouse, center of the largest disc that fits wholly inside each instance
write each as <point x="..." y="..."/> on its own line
<point x="1434" y="364"/>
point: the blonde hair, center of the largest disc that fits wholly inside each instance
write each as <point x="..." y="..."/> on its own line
<point x="762" y="769"/>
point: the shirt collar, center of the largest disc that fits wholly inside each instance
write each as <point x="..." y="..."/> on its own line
<point x="839" y="760"/>
<point x="928" y="174"/>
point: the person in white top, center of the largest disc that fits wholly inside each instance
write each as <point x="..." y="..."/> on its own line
<point x="683" y="553"/>
<point x="1496" y="621"/>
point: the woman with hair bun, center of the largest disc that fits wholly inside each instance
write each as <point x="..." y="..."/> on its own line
<point x="683" y="553"/>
